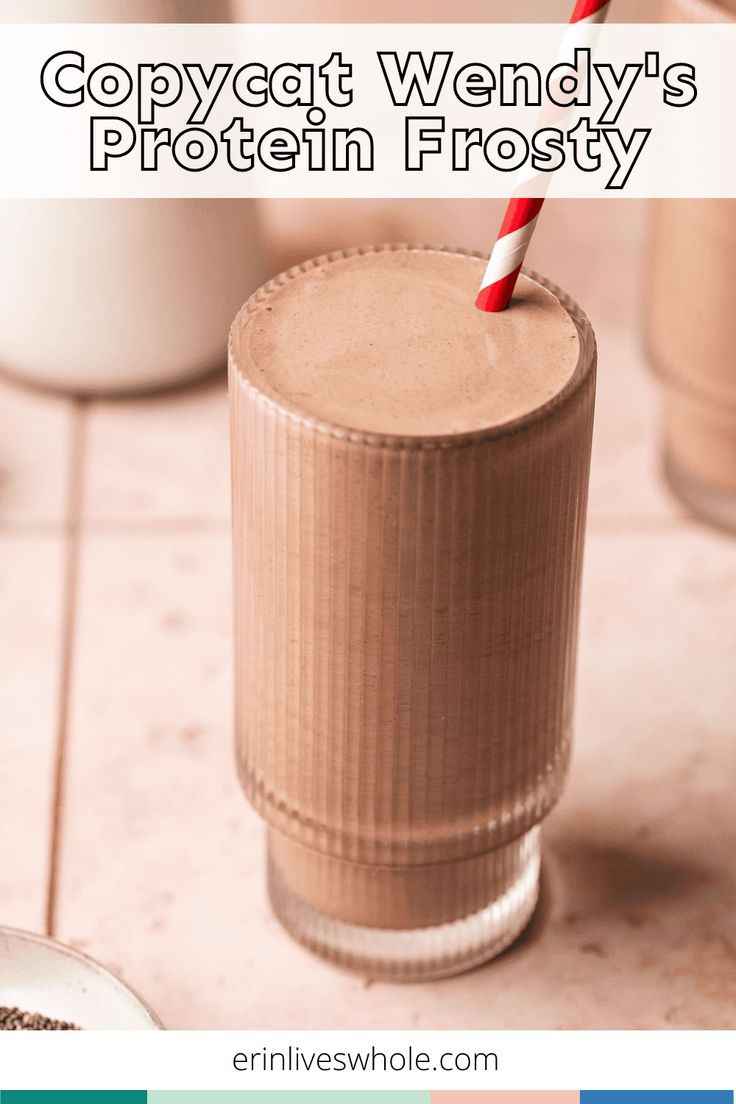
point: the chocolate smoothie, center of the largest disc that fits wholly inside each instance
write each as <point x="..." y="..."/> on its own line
<point x="410" y="482"/>
<point x="692" y="328"/>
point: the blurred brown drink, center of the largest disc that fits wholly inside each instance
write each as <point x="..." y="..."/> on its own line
<point x="410" y="484"/>
<point x="692" y="329"/>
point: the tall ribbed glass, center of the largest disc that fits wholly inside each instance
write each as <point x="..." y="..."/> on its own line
<point x="406" y="614"/>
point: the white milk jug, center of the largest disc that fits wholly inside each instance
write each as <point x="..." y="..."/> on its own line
<point x="120" y="295"/>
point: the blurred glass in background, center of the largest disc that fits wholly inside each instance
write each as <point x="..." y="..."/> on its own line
<point x="691" y="329"/>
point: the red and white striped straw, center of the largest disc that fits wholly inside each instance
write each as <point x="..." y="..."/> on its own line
<point x="522" y="213"/>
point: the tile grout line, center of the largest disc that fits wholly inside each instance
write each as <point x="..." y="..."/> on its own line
<point x="72" y="529"/>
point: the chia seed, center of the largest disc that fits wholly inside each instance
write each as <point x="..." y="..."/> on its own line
<point x="15" y="1019"/>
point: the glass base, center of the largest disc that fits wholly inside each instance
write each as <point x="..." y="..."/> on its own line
<point x="412" y="953"/>
<point x="715" y="505"/>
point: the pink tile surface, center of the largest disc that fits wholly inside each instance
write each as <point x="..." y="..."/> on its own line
<point x="161" y="458"/>
<point x="157" y="838"/>
<point x="35" y="434"/>
<point x="31" y="571"/>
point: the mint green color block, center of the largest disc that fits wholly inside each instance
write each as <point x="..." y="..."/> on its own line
<point x="312" y="1096"/>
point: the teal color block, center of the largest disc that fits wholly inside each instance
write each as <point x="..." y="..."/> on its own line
<point x="71" y="1096"/>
